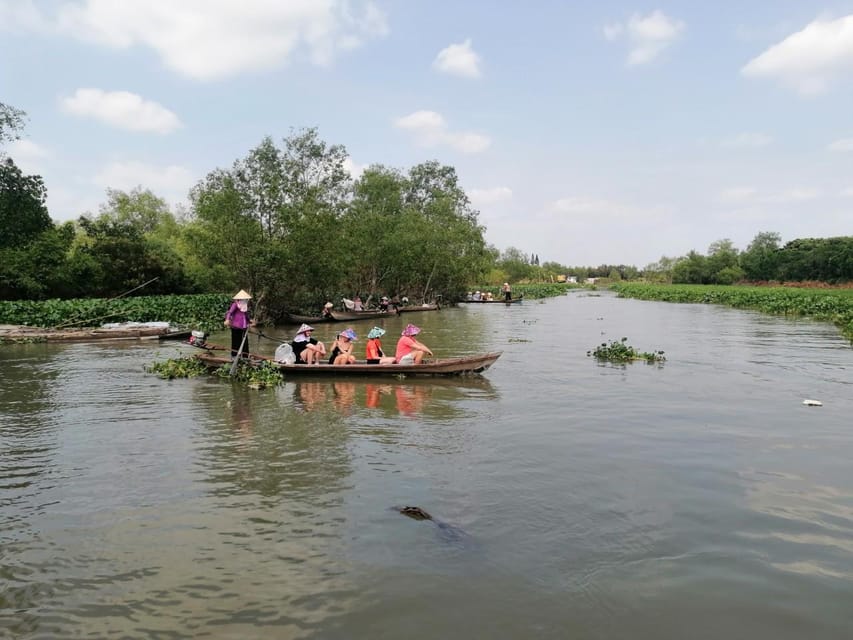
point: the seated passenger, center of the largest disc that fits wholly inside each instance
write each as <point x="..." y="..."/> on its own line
<point x="307" y="349"/>
<point x="383" y="303"/>
<point x="409" y="350"/>
<point x="374" y="352"/>
<point x="327" y="310"/>
<point x="476" y="296"/>
<point x="357" y="304"/>
<point x="342" y="348"/>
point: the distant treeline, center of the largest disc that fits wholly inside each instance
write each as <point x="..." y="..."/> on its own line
<point x="290" y="224"/>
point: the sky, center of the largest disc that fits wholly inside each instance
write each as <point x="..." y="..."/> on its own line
<point x="614" y="132"/>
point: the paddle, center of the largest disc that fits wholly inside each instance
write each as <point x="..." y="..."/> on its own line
<point x="239" y="351"/>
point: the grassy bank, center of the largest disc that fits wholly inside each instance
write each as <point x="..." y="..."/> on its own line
<point x="832" y="305"/>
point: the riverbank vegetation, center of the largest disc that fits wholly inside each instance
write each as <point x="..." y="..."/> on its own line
<point x="832" y="305"/>
<point x="291" y="224"/>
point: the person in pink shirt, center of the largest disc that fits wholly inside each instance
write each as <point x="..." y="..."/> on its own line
<point x="239" y="321"/>
<point x="409" y="350"/>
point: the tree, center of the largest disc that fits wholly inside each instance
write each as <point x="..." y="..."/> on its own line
<point x="11" y="123"/>
<point x="760" y="261"/>
<point x="23" y="212"/>
<point x="722" y="263"/>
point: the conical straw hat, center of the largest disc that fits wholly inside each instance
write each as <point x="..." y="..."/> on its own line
<point x="242" y="295"/>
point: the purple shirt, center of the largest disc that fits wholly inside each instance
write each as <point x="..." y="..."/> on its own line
<point x="238" y="319"/>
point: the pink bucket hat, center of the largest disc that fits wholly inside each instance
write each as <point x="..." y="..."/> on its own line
<point x="411" y="330"/>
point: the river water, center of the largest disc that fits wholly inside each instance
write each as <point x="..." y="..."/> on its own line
<point x="694" y="499"/>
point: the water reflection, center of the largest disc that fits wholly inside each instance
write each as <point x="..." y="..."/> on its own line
<point x="410" y="399"/>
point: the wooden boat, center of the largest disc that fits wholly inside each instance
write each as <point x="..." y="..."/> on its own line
<point x="421" y="307"/>
<point x="498" y="301"/>
<point x="350" y="316"/>
<point x="294" y="318"/>
<point x="464" y="365"/>
<point x="130" y="331"/>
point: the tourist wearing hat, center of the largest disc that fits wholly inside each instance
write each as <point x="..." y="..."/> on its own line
<point x="327" y="311"/>
<point x="342" y="348"/>
<point x="409" y="350"/>
<point x="507" y="291"/>
<point x="239" y="320"/>
<point x="307" y="350"/>
<point x="374" y="352"/>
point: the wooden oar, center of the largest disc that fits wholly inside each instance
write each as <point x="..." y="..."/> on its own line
<point x="239" y="351"/>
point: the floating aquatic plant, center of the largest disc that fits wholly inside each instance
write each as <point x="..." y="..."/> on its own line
<point x="621" y="351"/>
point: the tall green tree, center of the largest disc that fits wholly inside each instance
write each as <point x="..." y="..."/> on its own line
<point x="760" y="261"/>
<point x="23" y="209"/>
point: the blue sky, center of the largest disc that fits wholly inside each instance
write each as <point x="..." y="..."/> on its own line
<point x="587" y="133"/>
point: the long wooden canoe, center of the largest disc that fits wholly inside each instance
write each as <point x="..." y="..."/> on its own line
<point x="499" y="301"/>
<point x="294" y="318"/>
<point x="418" y="307"/>
<point x="22" y="333"/>
<point x="350" y="316"/>
<point x="464" y="365"/>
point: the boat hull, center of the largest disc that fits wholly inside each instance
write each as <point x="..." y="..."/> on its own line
<point x="464" y="365"/>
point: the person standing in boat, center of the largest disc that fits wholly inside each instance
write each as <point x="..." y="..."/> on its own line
<point x="307" y="350"/>
<point x="342" y="348"/>
<point x="238" y="319"/>
<point x="409" y="350"/>
<point x="507" y="291"/>
<point x="374" y="352"/>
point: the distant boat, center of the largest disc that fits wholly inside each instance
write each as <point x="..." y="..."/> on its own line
<point x="418" y="307"/>
<point x="349" y="316"/>
<point x="498" y="301"/>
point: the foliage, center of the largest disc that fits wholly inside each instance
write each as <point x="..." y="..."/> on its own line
<point x="256" y="376"/>
<point x="760" y="261"/>
<point x="203" y="311"/>
<point x="187" y="367"/>
<point x="23" y="212"/>
<point x="11" y="123"/>
<point x="833" y="305"/>
<point x="621" y="351"/>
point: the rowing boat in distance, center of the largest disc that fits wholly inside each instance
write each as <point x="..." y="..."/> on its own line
<point x="497" y="301"/>
<point x="463" y="365"/>
<point x="418" y="307"/>
<point x="349" y="316"/>
<point x="295" y="318"/>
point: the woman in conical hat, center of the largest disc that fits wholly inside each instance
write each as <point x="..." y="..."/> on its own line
<point x="239" y="320"/>
<point x="343" y="347"/>
<point x="409" y="350"/>
<point x="374" y="352"/>
<point x="307" y="350"/>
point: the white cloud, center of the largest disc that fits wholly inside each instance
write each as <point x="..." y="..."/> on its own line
<point x="752" y="195"/>
<point x="744" y="140"/>
<point x="588" y="208"/>
<point x="809" y="60"/>
<point x="354" y="169"/>
<point x="173" y="182"/>
<point x="738" y="194"/>
<point x="430" y="130"/>
<point x="28" y="155"/>
<point x="210" y="39"/>
<point x="485" y="197"/>
<point x="459" y="60"/>
<point x="121" y="109"/>
<point x="847" y="193"/>
<point x="648" y="36"/>
<point x="843" y="144"/>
